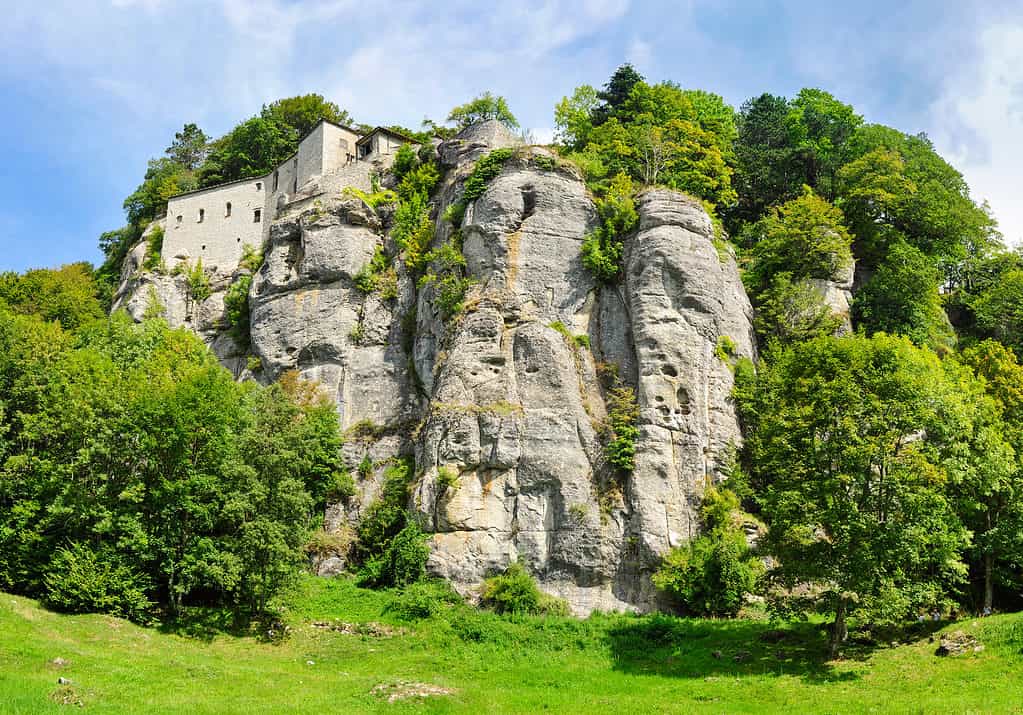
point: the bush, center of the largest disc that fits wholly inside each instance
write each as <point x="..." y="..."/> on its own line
<point x="154" y="248"/>
<point x="252" y="258"/>
<point x="198" y="283"/>
<point x="486" y="169"/>
<point x="79" y="580"/>
<point x="236" y="308"/>
<point x="515" y="591"/>
<point x="402" y="563"/>
<point x="603" y="248"/>
<point x="425" y="599"/>
<point x="711" y="575"/>
<point x="621" y="429"/>
<point x="405" y="160"/>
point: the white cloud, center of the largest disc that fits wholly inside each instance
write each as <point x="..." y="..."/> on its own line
<point x="979" y="121"/>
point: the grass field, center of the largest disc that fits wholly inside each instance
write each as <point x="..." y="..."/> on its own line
<point x="364" y="649"/>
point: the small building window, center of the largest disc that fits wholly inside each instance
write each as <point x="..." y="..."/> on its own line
<point x="277" y="176"/>
<point x="179" y="218"/>
<point x="227" y="212"/>
<point x="257" y="216"/>
<point x="259" y="186"/>
<point x="202" y="214"/>
<point x="204" y="246"/>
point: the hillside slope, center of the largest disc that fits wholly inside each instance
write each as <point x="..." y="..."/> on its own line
<point x="606" y="664"/>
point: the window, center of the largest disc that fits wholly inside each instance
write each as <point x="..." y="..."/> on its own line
<point x="277" y="176"/>
<point x="257" y="216"/>
<point x="204" y="246"/>
<point x="227" y="213"/>
<point x="259" y="186"/>
<point x="179" y="218"/>
<point x="202" y="214"/>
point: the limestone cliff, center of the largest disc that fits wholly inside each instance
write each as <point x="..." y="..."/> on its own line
<point x="502" y="406"/>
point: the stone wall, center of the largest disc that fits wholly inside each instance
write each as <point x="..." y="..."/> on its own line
<point x="218" y="238"/>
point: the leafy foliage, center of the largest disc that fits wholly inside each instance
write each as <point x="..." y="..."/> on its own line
<point x="603" y="248"/>
<point x="391" y="545"/>
<point x="902" y="298"/>
<point x="165" y="479"/>
<point x="804" y="237"/>
<point x="483" y="108"/>
<point x="515" y="591"/>
<point x="851" y="449"/>
<point x="486" y="169"/>
<point x="713" y="574"/>
<point x="68" y="294"/>
<point x="236" y="308"/>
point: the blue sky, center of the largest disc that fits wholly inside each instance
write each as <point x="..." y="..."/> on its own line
<point x="94" y="89"/>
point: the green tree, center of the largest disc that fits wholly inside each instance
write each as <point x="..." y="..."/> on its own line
<point x="991" y="497"/>
<point x="820" y="128"/>
<point x="999" y="310"/>
<point x="189" y="147"/>
<point x="304" y="112"/>
<point x="615" y="93"/>
<point x="164" y="178"/>
<point x="852" y="447"/>
<point x="252" y="148"/>
<point x="897" y="188"/>
<point x="573" y="117"/>
<point x="68" y="294"/>
<point x="483" y="108"/>
<point x="805" y="237"/>
<point x="767" y="169"/>
<point x="902" y="298"/>
<point x="792" y="310"/>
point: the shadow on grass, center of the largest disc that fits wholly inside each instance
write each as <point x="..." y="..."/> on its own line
<point x="697" y="648"/>
<point x="206" y="623"/>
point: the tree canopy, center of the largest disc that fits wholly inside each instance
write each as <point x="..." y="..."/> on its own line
<point x="483" y="108"/>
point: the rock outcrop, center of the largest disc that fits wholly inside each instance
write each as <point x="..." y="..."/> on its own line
<point x="503" y="406"/>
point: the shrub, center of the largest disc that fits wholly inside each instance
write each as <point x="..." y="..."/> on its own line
<point x="340" y="485"/>
<point x="425" y="599"/>
<point x="725" y="348"/>
<point x="402" y="563"/>
<point x="236" y="308"/>
<point x="603" y="248"/>
<point x="455" y="213"/>
<point x="366" y="467"/>
<point x="446" y="277"/>
<point x="545" y="163"/>
<point x="80" y="580"/>
<point x="405" y="160"/>
<point x="154" y="247"/>
<point x="711" y="575"/>
<point x="486" y="169"/>
<point x="252" y="258"/>
<point x="621" y="428"/>
<point x="515" y="591"/>
<point x="368" y="279"/>
<point x="378" y="197"/>
<point x="198" y="283"/>
<point x="447" y="478"/>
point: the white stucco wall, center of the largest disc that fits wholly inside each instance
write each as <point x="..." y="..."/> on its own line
<point x="338" y="146"/>
<point x="218" y="238"/>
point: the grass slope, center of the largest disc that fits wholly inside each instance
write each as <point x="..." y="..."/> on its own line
<point x="605" y="664"/>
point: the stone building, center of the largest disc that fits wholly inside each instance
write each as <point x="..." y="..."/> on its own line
<point x="215" y="223"/>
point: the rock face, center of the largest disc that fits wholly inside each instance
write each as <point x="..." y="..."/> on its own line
<point x="503" y="406"/>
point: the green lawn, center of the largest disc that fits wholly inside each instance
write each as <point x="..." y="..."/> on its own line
<point x="605" y="664"/>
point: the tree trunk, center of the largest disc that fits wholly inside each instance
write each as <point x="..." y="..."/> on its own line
<point x="838" y="630"/>
<point x="989" y="567"/>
